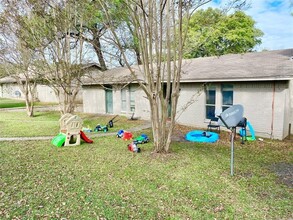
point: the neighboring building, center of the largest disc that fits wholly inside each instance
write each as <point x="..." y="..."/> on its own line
<point x="44" y="93"/>
<point x="262" y="82"/>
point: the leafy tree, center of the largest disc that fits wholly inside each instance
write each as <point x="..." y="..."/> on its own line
<point x="95" y="32"/>
<point x="16" y="59"/>
<point x="160" y="34"/>
<point x="214" y="33"/>
<point x="44" y="27"/>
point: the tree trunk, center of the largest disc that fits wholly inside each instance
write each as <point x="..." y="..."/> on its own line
<point x="162" y="129"/>
<point x="66" y="99"/>
<point x="29" y="107"/>
<point x="28" y="89"/>
<point x="98" y="50"/>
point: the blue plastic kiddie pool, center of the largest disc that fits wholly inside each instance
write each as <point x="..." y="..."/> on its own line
<point x="202" y="136"/>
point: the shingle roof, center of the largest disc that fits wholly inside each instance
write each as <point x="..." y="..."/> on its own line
<point x="267" y="65"/>
<point x="255" y="66"/>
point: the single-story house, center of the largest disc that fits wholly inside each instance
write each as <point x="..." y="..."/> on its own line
<point x="44" y="93"/>
<point x="260" y="81"/>
<point x="10" y="89"/>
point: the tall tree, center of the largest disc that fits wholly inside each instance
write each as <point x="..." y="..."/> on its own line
<point x="45" y="27"/>
<point x="16" y="58"/>
<point x="61" y="57"/>
<point x="213" y="33"/>
<point x="89" y="29"/>
<point x="160" y="34"/>
<point x="95" y="32"/>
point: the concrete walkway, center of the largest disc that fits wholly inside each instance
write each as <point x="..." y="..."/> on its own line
<point x="146" y="125"/>
<point x="40" y="108"/>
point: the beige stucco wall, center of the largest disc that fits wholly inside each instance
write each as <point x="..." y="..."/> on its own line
<point x="10" y="90"/>
<point x="290" y="106"/>
<point x="45" y="94"/>
<point x="194" y="113"/>
<point x="94" y="99"/>
<point x="266" y="108"/>
<point x="142" y="106"/>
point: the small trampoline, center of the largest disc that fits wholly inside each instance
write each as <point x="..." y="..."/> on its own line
<point x="202" y="136"/>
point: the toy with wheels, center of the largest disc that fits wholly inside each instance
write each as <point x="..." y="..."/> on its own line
<point x="111" y="122"/>
<point x="120" y="133"/>
<point x="101" y="128"/>
<point x="127" y="135"/>
<point x="142" y="139"/>
<point x="133" y="148"/>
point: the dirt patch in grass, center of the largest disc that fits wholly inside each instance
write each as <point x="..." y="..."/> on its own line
<point x="284" y="171"/>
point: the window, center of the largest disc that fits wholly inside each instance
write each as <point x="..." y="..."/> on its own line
<point x="132" y="98"/>
<point x="227" y="96"/>
<point x="210" y="102"/>
<point x="123" y="100"/>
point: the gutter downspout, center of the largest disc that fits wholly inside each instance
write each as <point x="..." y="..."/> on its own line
<point x="273" y="109"/>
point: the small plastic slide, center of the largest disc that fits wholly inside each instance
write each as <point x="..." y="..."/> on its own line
<point x="59" y="140"/>
<point x="252" y="137"/>
<point x="85" y="138"/>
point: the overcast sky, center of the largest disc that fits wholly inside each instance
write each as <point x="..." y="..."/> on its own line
<point x="274" y="19"/>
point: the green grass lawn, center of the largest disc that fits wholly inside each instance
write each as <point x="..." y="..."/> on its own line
<point x="11" y="103"/>
<point x="16" y="103"/>
<point x="104" y="180"/>
<point x="18" y="124"/>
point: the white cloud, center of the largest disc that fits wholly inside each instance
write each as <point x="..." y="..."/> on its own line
<point x="274" y="19"/>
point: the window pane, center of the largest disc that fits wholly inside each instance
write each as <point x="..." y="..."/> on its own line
<point x="210" y="112"/>
<point x="210" y="102"/>
<point x="211" y="96"/>
<point x="227" y="93"/>
<point x="224" y="108"/>
<point x="228" y="98"/>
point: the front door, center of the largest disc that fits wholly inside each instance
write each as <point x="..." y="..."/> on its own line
<point x="109" y="100"/>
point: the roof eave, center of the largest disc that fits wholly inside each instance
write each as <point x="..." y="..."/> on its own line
<point x="238" y="80"/>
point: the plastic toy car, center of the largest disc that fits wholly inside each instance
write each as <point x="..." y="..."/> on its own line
<point x="133" y="147"/>
<point x="120" y="133"/>
<point x="101" y="128"/>
<point x="142" y="139"/>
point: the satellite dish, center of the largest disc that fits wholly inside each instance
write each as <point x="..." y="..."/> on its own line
<point x="231" y="116"/>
